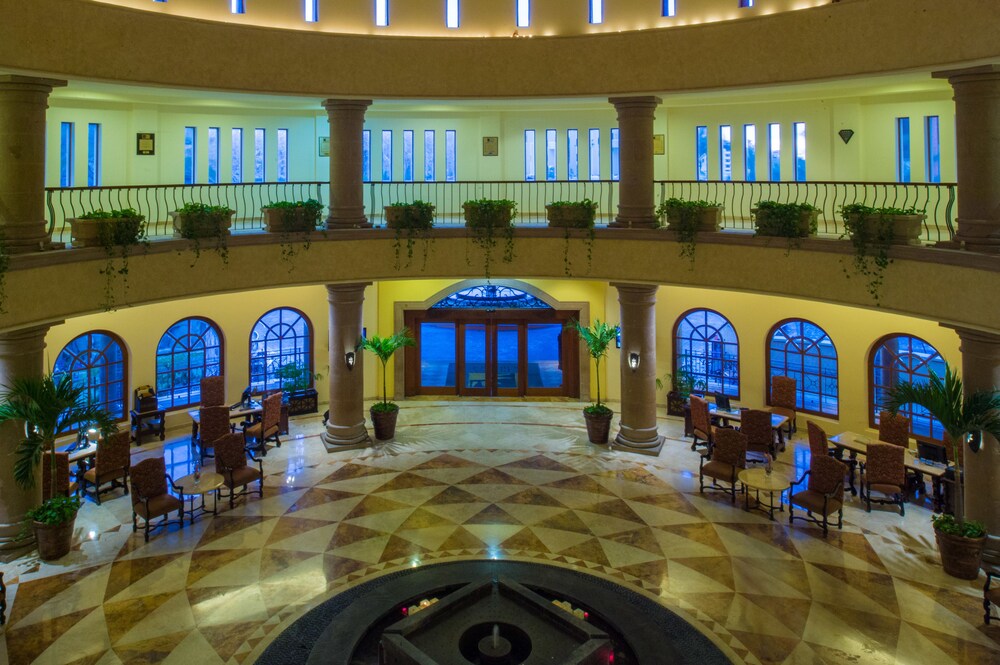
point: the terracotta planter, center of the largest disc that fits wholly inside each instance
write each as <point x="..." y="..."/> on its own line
<point x="54" y="540"/>
<point x="502" y="220"/>
<point x="384" y="423"/>
<point x="960" y="556"/>
<point x="709" y="219"/>
<point x="906" y="229"/>
<point x="573" y="217"/>
<point x="187" y="227"/>
<point x="86" y="232"/>
<point x="277" y="221"/>
<point x="395" y="216"/>
<point x="806" y="227"/>
<point x="598" y="427"/>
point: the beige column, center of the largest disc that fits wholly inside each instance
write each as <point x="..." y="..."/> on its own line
<point x="345" y="429"/>
<point x="638" y="385"/>
<point x="981" y="371"/>
<point x="347" y="193"/>
<point x="23" y="100"/>
<point x="977" y="136"/>
<point x="635" y="189"/>
<point x="20" y="356"/>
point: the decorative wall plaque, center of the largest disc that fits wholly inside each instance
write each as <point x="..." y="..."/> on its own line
<point x="145" y="143"/>
<point x="491" y="146"/>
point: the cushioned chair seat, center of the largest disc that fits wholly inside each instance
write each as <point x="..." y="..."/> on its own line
<point x="885" y="489"/>
<point x="719" y="471"/>
<point x="240" y="477"/>
<point x="158" y="505"/>
<point x="90" y="475"/>
<point x="813" y="502"/>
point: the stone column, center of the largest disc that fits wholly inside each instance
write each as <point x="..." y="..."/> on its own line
<point x="20" y="356"/>
<point x="977" y="137"/>
<point x="345" y="429"/>
<point x="347" y="193"/>
<point x="635" y="189"/>
<point x="23" y="100"/>
<point x="638" y="323"/>
<point x="981" y="371"/>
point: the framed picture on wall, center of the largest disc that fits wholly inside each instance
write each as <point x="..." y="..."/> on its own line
<point x="659" y="145"/>
<point x="145" y="143"/>
<point x="491" y="146"/>
<point x="324" y="146"/>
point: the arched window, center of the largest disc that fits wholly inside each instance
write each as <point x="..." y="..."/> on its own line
<point x="706" y="345"/>
<point x="190" y="350"/>
<point x="802" y="350"/>
<point x="96" y="361"/>
<point x="280" y="338"/>
<point x="907" y="359"/>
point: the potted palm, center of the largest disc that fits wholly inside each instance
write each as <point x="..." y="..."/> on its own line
<point x="384" y="413"/>
<point x="682" y="384"/>
<point x="965" y="418"/>
<point x="597" y="338"/>
<point x="297" y="385"/>
<point x="49" y="406"/>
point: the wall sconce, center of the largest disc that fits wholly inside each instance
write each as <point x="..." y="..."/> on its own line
<point x="845" y="135"/>
<point x="633" y="361"/>
<point x="349" y="359"/>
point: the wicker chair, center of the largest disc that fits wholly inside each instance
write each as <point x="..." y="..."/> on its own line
<point x="64" y="487"/>
<point x="824" y="494"/>
<point x="725" y="458"/>
<point x="701" y="423"/>
<point x="214" y="424"/>
<point x="885" y="473"/>
<point x="150" y="497"/>
<point x="756" y="424"/>
<point x="111" y="466"/>
<point x="783" y="389"/>
<point x="213" y="391"/>
<point x="894" y="429"/>
<point x="268" y="427"/>
<point x="231" y="463"/>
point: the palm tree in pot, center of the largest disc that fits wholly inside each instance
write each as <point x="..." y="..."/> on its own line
<point x="965" y="419"/>
<point x="49" y="406"/>
<point x="384" y="413"/>
<point x="598" y="338"/>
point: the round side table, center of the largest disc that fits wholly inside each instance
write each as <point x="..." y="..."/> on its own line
<point x="210" y="482"/>
<point x="759" y="480"/>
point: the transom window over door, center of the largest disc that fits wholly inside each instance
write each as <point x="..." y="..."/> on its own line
<point x="906" y="359"/>
<point x="188" y="351"/>
<point x="96" y="361"/>
<point x="803" y="351"/>
<point x="281" y="337"/>
<point x="706" y="345"/>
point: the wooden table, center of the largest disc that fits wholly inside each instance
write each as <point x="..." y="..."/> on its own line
<point x="736" y="415"/>
<point x="83" y="454"/>
<point x="759" y="480"/>
<point x="239" y="413"/>
<point x="191" y="487"/>
<point x="154" y="422"/>
<point x="857" y="444"/>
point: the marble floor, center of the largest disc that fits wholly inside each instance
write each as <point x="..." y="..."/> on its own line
<point x="492" y="480"/>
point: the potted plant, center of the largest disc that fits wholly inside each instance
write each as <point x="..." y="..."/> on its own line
<point x="573" y="215"/>
<point x="296" y="384"/>
<point x="117" y="231"/>
<point x="785" y="220"/>
<point x="385" y="413"/>
<point x="687" y="218"/>
<point x="196" y="221"/>
<point x="488" y="218"/>
<point x="49" y="406"/>
<point x="416" y="220"/>
<point x="682" y="384"/>
<point x="965" y="418"/>
<point x="292" y="217"/>
<point x="872" y="231"/>
<point x="597" y="337"/>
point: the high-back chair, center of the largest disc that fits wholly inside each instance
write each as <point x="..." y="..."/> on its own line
<point x="818" y="445"/>
<point x="894" y="429"/>
<point x="728" y="455"/>
<point x="111" y="465"/>
<point x="268" y="427"/>
<point x="823" y="495"/>
<point x="213" y="391"/>
<point x="231" y="463"/>
<point x="701" y="423"/>
<point x="214" y="424"/>
<point x="63" y="487"/>
<point x="756" y="424"/>
<point x="991" y="566"/>
<point x="783" y="399"/>
<point x="151" y="498"/>
<point x="884" y="472"/>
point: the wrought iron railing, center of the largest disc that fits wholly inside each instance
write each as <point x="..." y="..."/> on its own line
<point x="938" y="200"/>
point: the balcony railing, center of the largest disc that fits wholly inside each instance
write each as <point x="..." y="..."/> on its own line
<point x="156" y="201"/>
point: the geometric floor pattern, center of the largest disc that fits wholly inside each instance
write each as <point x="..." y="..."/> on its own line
<point x="494" y="481"/>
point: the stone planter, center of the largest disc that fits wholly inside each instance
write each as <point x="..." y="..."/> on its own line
<point x="384" y="423"/>
<point x="502" y="219"/>
<point x="806" y="226"/>
<point x="54" y="540"/>
<point x="573" y="217"/>
<point x="906" y="229"/>
<point x="396" y="216"/>
<point x="960" y="556"/>
<point x="598" y="426"/>
<point x="709" y="219"/>
<point x="279" y="220"/>
<point x="186" y="226"/>
<point x="86" y="232"/>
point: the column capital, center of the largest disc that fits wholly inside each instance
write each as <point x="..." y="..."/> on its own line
<point x="25" y="340"/>
<point x="636" y="293"/>
<point x="640" y="102"/>
<point x="18" y="82"/>
<point x="963" y="74"/>
<point x="351" y="292"/>
<point x="979" y="343"/>
<point x="346" y="105"/>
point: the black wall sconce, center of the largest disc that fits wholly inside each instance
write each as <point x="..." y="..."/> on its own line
<point x="349" y="359"/>
<point x="633" y="360"/>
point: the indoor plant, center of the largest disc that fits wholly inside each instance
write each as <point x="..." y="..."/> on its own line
<point x="682" y="384"/>
<point x="195" y="221"/>
<point x="288" y="217"/>
<point x="49" y="406"/>
<point x="117" y="231"/>
<point x="296" y="384"/>
<point x="785" y="220"/>
<point x="598" y="338"/>
<point x="872" y="231"/>
<point x="488" y="218"/>
<point x="965" y="419"/>
<point x="416" y="220"/>
<point x="687" y="218"/>
<point x="384" y="413"/>
<point x="573" y="215"/>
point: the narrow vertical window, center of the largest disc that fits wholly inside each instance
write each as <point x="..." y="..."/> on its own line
<point x="386" y="155"/>
<point x="902" y="149"/>
<point x="237" y="154"/>
<point x="312" y="10"/>
<point x="550" y="154"/>
<point x="725" y="152"/>
<point x="258" y="155"/>
<point x="381" y="13"/>
<point x="597" y="11"/>
<point x="701" y="152"/>
<point x="932" y="138"/>
<point x="407" y="155"/>
<point x="238" y="6"/>
<point x="750" y="152"/>
<point x="529" y="154"/>
<point x="282" y="155"/>
<point x="429" y="146"/>
<point x="94" y="155"/>
<point x="190" y="141"/>
<point x="451" y="13"/>
<point x="213" y="155"/>
<point x="669" y="8"/>
<point x="523" y="13"/>
<point x="366" y="155"/>
<point x="450" y="155"/>
<point x="67" y="154"/>
<point x="595" y="154"/>
<point x="774" y="151"/>
<point x="615" y="154"/>
<point x="799" y="148"/>
<point x="572" y="154"/>
<point x="744" y="4"/>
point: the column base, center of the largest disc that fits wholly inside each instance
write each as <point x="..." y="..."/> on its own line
<point x="979" y="235"/>
<point x="348" y="223"/>
<point x="345" y="438"/>
<point x="651" y="448"/>
<point x="633" y="223"/>
<point x="11" y="537"/>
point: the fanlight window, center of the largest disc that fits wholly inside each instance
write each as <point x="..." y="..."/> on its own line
<point x="491" y="296"/>
<point x="906" y="359"/>
<point x="705" y="344"/>
<point x="96" y="361"/>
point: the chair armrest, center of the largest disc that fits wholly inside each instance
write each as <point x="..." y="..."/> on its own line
<point x="259" y="461"/>
<point x="799" y="481"/>
<point x="837" y="493"/>
<point x="174" y="486"/>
